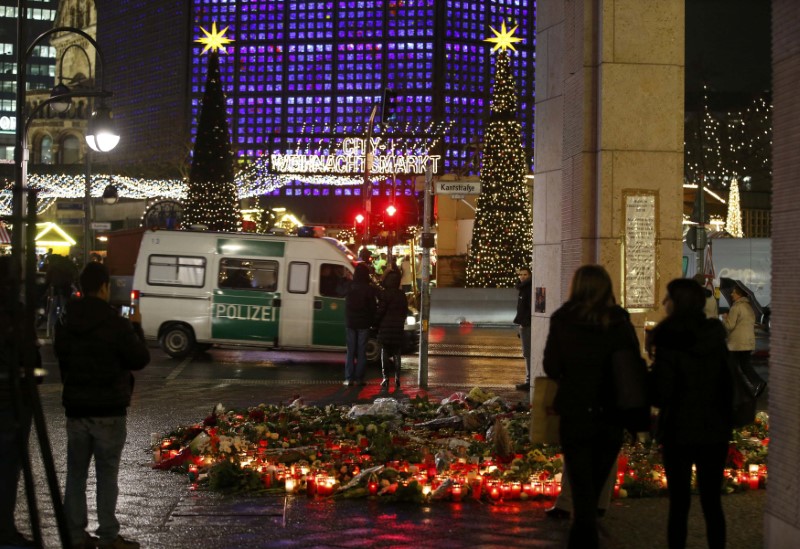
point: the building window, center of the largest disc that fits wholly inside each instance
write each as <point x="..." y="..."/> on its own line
<point x="70" y="150"/>
<point x="46" y="150"/>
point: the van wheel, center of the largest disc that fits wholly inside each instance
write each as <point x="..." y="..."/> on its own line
<point x="177" y="341"/>
<point x="373" y="350"/>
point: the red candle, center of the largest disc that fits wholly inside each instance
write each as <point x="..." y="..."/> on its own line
<point x="373" y="488"/>
<point x="494" y="492"/>
<point x="516" y="490"/>
<point x="527" y="488"/>
<point x="455" y="491"/>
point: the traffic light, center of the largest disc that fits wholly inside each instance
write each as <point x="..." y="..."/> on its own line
<point x="389" y="219"/>
<point x="389" y="106"/>
<point x="358" y="224"/>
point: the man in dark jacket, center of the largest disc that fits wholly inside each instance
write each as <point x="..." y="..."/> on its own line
<point x="360" y="305"/>
<point x="97" y="350"/>
<point x="523" y="319"/>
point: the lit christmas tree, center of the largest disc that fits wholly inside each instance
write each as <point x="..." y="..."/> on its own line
<point x="211" y="197"/>
<point x="501" y="235"/>
<point x="733" y="224"/>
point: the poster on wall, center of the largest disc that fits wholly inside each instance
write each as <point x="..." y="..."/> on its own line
<point x="639" y="248"/>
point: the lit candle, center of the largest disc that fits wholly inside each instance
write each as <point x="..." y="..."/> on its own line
<point x="455" y="491"/>
<point x="426" y="490"/>
<point x="505" y="490"/>
<point x="373" y="488"/>
<point x="289" y="485"/>
<point x="477" y="487"/>
<point x="753" y="480"/>
<point x="516" y="490"/>
<point x="527" y="488"/>
<point x="494" y="492"/>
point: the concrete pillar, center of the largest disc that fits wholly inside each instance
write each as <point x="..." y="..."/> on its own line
<point x="782" y="513"/>
<point x="609" y="129"/>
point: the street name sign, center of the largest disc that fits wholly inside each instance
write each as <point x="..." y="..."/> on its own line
<point x="458" y="187"/>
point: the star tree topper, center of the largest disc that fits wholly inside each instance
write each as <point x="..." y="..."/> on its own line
<point x="504" y="39"/>
<point x="216" y="40"/>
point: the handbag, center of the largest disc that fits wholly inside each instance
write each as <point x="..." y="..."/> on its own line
<point x="743" y="396"/>
<point x="544" y="419"/>
<point x="629" y="381"/>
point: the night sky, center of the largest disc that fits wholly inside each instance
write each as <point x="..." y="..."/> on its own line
<point x="728" y="45"/>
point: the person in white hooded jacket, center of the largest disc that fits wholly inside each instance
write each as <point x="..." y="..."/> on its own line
<point x="740" y="325"/>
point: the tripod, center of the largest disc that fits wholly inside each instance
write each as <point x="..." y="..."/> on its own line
<point x="21" y="373"/>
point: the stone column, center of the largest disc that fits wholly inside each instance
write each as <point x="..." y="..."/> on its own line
<point x="609" y="124"/>
<point x="782" y="514"/>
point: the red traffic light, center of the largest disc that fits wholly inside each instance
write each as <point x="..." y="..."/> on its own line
<point x="391" y="210"/>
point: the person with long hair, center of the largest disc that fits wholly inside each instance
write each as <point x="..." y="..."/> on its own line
<point x="690" y="384"/>
<point x="584" y="333"/>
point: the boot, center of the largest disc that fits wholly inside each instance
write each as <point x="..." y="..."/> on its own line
<point x="397" y="380"/>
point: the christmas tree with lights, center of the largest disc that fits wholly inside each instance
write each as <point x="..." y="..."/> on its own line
<point x="501" y="235"/>
<point x="211" y="197"/>
<point x="733" y="224"/>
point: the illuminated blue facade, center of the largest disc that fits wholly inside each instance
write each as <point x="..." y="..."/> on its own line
<point x="314" y="67"/>
<point x="299" y="66"/>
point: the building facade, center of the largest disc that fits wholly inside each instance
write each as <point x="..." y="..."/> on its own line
<point x="41" y="66"/>
<point x="300" y="69"/>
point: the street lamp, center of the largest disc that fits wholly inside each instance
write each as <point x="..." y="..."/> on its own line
<point x="23" y="318"/>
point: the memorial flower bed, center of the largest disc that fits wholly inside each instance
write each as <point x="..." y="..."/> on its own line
<point x="467" y="446"/>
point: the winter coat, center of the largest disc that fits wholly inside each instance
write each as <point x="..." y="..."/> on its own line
<point x="96" y="350"/>
<point x="740" y="324"/>
<point x="392" y="313"/>
<point x="577" y="354"/>
<point x="690" y="381"/>
<point x="360" y="301"/>
<point x="523" y="317"/>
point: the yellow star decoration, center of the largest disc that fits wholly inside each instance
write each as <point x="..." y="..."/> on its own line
<point x="214" y="40"/>
<point x="503" y="39"/>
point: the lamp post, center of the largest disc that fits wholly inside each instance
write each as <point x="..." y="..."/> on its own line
<point x="23" y="317"/>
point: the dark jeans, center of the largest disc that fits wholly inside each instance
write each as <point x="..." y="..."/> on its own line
<point x="390" y="354"/>
<point x="355" y="365"/>
<point x="742" y="358"/>
<point x="589" y="453"/>
<point x="710" y="462"/>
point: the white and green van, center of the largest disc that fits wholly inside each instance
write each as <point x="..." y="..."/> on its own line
<point x="197" y="289"/>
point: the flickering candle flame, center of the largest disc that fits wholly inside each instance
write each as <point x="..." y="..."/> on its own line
<point x="290" y="485"/>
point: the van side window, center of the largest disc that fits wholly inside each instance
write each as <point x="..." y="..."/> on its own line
<point x="172" y="270"/>
<point x="298" y="277"/>
<point x="332" y="281"/>
<point x="248" y="274"/>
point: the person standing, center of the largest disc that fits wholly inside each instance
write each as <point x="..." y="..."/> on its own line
<point x="584" y="332"/>
<point x="740" y="323"/>
<point x="523" y="320"/>
<point x="406" y="276"/>
<point x="97" y="351"/>
<point x="360" y="304"/>
<point x="711" y="309"/>
<point x="691" y="386"/>
<point x="15" y="425"/>
<point x="390" y="319"/>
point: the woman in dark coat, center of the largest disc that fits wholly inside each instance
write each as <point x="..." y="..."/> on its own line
<point x="584" y="332"/>
<point x="691" y="386"/>
<point x="391" y="319"/>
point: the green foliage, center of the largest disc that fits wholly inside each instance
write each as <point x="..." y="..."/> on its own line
<point x="228" y="477"/>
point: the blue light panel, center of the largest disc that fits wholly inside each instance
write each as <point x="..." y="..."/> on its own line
<point x="299" y="66"/>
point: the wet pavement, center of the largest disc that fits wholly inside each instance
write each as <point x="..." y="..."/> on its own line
<point x="158" y="508"/>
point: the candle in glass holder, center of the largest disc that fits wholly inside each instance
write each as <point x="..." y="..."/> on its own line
<point x="494" y="491"/>
<point x="192" y="473"/>
<point x="527" y="488"/>
<point x="372" y="487"/>
<point x="753" y="479"/>
<point x="476" y="484"/>
<point x="290" y="485"/>
<point x="516" y="490"/>
<point x="426" y="490"/>
<point x="455" y="492"/>
<point x="505" y="490"/>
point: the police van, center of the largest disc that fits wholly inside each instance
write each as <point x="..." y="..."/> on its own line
<point x="197" y="289"/>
